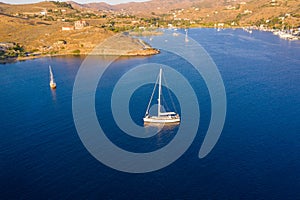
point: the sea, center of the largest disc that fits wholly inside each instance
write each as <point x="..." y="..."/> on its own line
<point x="257" y="155"/>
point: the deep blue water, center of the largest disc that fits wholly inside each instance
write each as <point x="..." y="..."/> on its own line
<point x="256" y="157"/>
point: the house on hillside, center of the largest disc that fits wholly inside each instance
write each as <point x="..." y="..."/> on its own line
<point x="247" y="12"/>
<point x="43" y="12"/>
<point x="80" y="24"/>
<point x="230" y="7"/>
<point x="67" y="28"/>
<point x="274" y="3"/>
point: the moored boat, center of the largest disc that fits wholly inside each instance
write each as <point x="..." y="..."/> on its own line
<point x="162" y="117"/>
<point x="52" y="82"/>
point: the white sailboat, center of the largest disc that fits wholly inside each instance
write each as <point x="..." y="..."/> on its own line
<point x="186" y="36"/>
<point x="162" y="117"/>
<point x="52" y="82"/>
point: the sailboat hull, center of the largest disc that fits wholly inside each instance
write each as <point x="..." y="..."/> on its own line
<point x="162" y="117"/>
<point x="52" y="85"/>
<point x="167" y="119"/>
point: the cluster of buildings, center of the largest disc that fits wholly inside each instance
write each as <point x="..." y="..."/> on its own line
<point x="80" y="24"/>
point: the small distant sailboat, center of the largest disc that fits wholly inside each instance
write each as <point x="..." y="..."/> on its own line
<point x="52" y="82"/>
<point x="186" y="36"/>
<point x="162" y="117"/>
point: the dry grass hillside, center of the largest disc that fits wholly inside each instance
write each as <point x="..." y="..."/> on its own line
<point x="38" y="29"/>
<point x="208" y="12"/>
<point x="272" y="10"/>
<point x="254" y="12"/>
<point x="157" y="6"/>
<point x="19" y="8"/>
<point x="37" y="34"/>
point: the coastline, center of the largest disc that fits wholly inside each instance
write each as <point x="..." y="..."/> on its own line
<point x="110" y="47"/>
<point x="131" y="46"/>
<point x="149" y="52"/>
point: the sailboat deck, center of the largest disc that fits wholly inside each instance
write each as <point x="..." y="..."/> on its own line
<point x="162" y="119"/>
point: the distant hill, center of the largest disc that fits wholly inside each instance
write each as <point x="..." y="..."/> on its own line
<point x="91" y="6"/>
<point x="241" y="12"/>
<point x="158" y="6"/>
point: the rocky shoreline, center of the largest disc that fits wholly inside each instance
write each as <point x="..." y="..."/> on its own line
<point x="123" y="45"/>
<point x="117" y="45"/>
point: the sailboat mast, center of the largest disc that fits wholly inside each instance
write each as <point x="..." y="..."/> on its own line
<point x="51" y="74"/>
<point x="159" y="92"/>
<point x="186" y="35"/>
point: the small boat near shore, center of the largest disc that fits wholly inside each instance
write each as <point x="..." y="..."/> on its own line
<point x="286" y="35"/>
<point x="186" y="36"/>
<point x="52" y="82"/>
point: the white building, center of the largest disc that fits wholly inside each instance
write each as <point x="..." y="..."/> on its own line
<point x="80" y="24"/>
<point x="67" y="28"/>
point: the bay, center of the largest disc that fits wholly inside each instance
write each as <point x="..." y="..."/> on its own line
<point x="256" y="157"/>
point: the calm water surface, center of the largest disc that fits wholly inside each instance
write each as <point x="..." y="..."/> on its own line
<point x="257" y="155"/>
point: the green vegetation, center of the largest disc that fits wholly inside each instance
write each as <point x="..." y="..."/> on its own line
<point x="118" y="29"/>
<point x="12" y="52"/>
<point x="77" y="52"/>
<point x="63" y="4"/>
<point x="297" y="15"/>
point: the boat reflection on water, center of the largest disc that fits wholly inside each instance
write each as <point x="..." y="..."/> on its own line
<point x="161" y="126"/>
<point x="165" y="132"/>
<point x="53" y="93"/>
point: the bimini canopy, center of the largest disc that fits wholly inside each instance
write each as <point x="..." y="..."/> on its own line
<point x="167" y="113"/>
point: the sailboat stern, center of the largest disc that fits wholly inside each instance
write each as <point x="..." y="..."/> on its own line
<point x="52" y="85"/>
